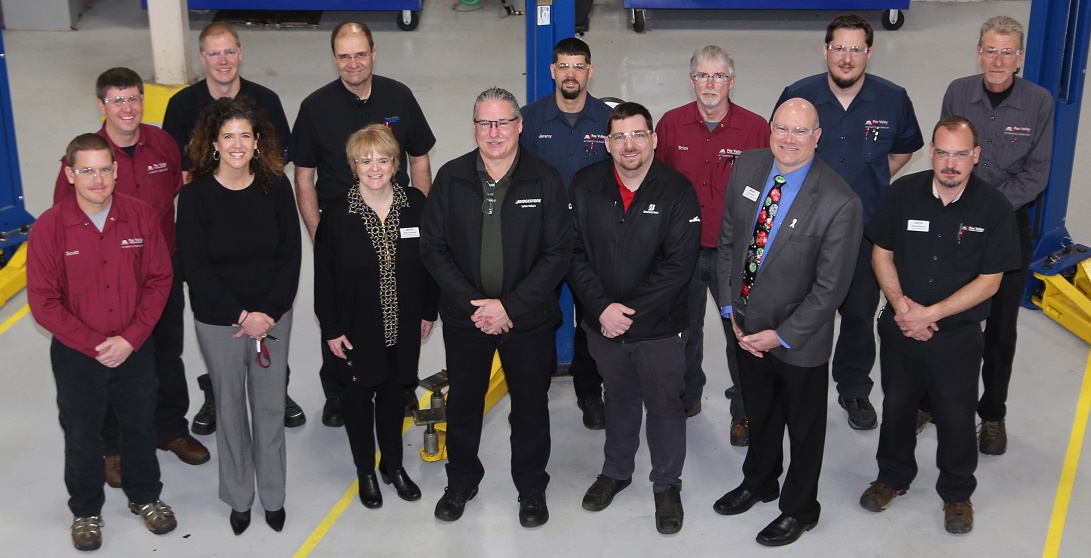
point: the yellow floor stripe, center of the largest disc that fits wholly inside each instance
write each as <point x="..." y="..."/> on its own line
<point x="1068" y="473"/>
<point x="14" y="318"/>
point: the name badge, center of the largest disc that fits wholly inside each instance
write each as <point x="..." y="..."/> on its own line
<point x="917" y="226"/>
<point x="410" y="232"/>
<point x="750" y="194"/>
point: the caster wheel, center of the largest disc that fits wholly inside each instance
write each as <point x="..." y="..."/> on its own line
<point x="893" y="19"/>
<point x="408" y="20"/>
<point x="639" y="19"/>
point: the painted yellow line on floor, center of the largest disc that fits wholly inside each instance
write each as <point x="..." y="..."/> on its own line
<point x="1068" y="472"/>
<point x="14" y="318"/>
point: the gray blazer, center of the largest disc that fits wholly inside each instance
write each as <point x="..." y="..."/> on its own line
<point x="809" y="268"/>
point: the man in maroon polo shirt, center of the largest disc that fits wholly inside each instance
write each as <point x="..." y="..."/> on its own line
<point x="98" y="277"/>
<point x="149" y="169"/>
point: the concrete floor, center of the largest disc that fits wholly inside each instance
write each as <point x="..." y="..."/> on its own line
<point x="452" y="56"/>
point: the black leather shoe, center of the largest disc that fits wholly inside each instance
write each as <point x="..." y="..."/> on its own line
<point x="453" y="503"/>
<point x="861" y="414"/>
<point x="240" y="520"/>
<point x="668" y="511"/>
<point x="783" y="530"/>
<point x="407" y="489"/>
<point x="204" y="422"/>
<point x="533" y="511"/>
<point x="602" y="492"/>
<point x="594" y="413"/>
<point x="369" y="492"/>
<point x="740" y="500"/>
<point x="275" y="519"/>
<point x="333" y="413"/>
<point x="293" y="413"/>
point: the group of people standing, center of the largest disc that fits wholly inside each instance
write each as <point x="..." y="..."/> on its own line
<point x="641" y="221"/>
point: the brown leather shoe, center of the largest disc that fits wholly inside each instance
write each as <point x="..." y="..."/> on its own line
<point x="694" y="411"/>
<point x="958" y="518"/>
<point x="740" y="432"/>
<point x="878" y="497"/>
<point x="188" y="449"/>
<point x="113" y="470"/>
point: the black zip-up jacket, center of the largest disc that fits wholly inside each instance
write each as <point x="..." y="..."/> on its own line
<point x="537" y="242"/>
<point x="643" y="257"/>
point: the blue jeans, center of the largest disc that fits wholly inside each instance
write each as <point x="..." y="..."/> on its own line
<point x="706" y="279"/>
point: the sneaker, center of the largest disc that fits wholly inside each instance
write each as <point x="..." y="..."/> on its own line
<point x="594" y="413"/>
<point x="333" y="413"/>
<point x="293" y="413"/>
<point x="533" y="511"/>
<point x="740" y="432"/>
<point x="668" y="511"/>
<point x="113" y="470"/>
<point x="958" y="518"/>
<point x="923" y="418"/>
<point x="602" y="492"/>
<point x="992" y="437"/>
<point x="204" y="422"/>
<point x="878" y="497"/>
<point x="157" y="515"/>
<point x="861" y="413"/>
<point x="87" y="532"/>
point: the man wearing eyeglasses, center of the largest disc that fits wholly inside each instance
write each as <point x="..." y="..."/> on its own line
<point x="220" y="54"/>
<point x="1015" y="120"/>
<point x="325" y="121"/>
<point x="788" y="245"/>
<point x="943" y="240"/>
<point x="567" y="129"/>
<point x="496" y="236"/>
<point x="702" y="140"/>
<point x="149" y="169"/>
<point x="638" y="227"/>
<point x="871" y="132"/>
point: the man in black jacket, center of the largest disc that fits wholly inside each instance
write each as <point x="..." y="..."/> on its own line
<point x="496" y="236"/>
<point x="638" y="230"/>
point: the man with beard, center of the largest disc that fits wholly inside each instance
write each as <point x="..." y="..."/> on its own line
<point x="1015" y="119"/>
<point x="871" y="132"/>
<point x="567" y="130"/>
<point x="702" y="140"/>
<point x="943" y="240"/>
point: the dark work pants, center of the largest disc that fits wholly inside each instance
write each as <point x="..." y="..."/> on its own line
<point x="375" y="413"/>
<point x="84" y="389"/>
<point x="585" y="373"/>
<point x="705" y="279"/>
<point x="639" y="375"/>
<point x="528" y="361"/>
<point x="780" y="395"/>
<point x="946" y="366"/>
<point x="172" y="400"/>
<point x="1000" y="330"/>
<point x="854" y="355"/>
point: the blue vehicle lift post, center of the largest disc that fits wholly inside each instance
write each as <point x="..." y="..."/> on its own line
<point x="15" y="222"/>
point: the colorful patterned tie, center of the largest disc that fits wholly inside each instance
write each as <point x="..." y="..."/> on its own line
<point x="762" y="227"/>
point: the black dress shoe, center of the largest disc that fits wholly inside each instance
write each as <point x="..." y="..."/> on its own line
<point x="668" y="511"/>
<point x="369" y="492"/>
<point x="204" y="422"/>
<point x="740" y="500"/>
<point x="407" y="489"/>
<point x="594" y="413"/>
<point x="862" y="415"/>
<point x="453" y="503"/>
<point x="333" y="413"/>
<point x="275" y="519"/>
<point x="602" y="492"/>
<point x="783" y="530"/>
<point x="533" y="511"/>
<point x="240" y="520"/>
<point x="294" y="417"/>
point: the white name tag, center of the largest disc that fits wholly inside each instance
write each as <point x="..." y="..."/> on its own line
<point x="410" y="232"/>
<point x="750" y="194"/>
<point x="917" y="226"/>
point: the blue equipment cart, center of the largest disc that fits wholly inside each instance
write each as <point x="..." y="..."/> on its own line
<point x="892" y="17"/>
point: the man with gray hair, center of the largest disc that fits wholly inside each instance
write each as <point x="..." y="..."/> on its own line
<point x="496" y="236"/>
<point x="702" y="140"/>
<point x="1014" y="119"/>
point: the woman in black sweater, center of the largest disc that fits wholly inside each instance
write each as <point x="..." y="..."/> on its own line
<point x="376" y="303"/>
<point x="239" y="242"/>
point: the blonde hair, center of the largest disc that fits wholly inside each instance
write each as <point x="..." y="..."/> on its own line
<point x="375" y="138"/>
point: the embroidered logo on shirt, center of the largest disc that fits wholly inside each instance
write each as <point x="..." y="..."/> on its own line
<point x="696" y="219"/>
<point x="1017" y="131"/>
<point x="594" y="138"/>
<point x="72" y="253"/>
<point x="683" y="148"/>
<point x="545" y="136"/>
<point x="156" y="168"/>
<point x="132" y="243"/>
<point x="651" y="209"/>
<point x="528" y="202"/>
<point x="872" y="127"/>
<point x="388" y="121"/>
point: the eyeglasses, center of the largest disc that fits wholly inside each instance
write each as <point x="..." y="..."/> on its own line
<point x="130" y="100"/>
<point x="718" y="77"/>
<point x="957" y="156"/>
<point x="95" y="173"/>
<point x="798" y="132"/>
<point x="578" y="66"/>
<point x="991" y="53"/>
<point x="367" y="162"/>
<point x="853" y="51"/>
<point x="489" y="204"/>
<point x="637" y="136"/>
<point x="228" y="54"/>
<point x="351" y="57"/>
<point x="503" y="123"/>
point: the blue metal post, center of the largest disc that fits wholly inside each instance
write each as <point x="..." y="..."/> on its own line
<point x="14" y="219"/>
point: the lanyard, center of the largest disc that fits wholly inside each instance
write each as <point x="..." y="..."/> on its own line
<point x="262" y="352"/>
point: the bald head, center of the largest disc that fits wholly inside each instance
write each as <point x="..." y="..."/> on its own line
<point x="351" y="29"/>
<point x="795" y="134"/>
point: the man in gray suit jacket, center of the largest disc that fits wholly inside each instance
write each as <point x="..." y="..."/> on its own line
<point x="788" y="246"/>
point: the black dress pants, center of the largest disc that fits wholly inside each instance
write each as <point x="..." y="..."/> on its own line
<point x="376" y="413"/>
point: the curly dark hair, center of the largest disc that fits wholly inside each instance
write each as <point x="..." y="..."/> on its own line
<point x="267" y="168"/>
